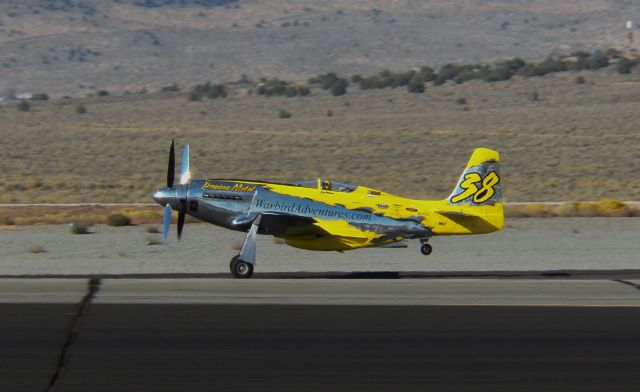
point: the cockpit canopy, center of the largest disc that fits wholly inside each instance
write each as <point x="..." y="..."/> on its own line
<point x="327" y="185"/>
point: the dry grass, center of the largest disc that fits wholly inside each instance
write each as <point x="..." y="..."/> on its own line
<point x="603" y="208"/>
<point x="576" y="140"/>
<point x="86" y="215"/>
<point x="6" y="221"/>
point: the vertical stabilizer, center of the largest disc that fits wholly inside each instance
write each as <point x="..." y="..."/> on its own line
<point x="480" y="183"/>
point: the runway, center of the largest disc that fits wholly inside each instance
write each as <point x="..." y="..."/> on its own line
<point x="319" y="335"/>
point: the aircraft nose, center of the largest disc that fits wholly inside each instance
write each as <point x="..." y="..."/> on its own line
<point x="165" y="196"/>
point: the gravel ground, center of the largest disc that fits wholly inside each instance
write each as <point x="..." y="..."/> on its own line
<point x="524" y="245"/>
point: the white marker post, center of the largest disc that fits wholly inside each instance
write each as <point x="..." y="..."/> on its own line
<point x="630" y="32"/>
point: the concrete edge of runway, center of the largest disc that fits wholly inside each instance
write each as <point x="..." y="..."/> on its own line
<point x="532" y="274"/>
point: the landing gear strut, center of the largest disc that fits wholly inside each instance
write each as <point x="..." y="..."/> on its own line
<point x="425" y="248"/>
<point x="242" y="265"/>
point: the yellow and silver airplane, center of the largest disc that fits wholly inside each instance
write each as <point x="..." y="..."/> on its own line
<point x="327" y="215"/>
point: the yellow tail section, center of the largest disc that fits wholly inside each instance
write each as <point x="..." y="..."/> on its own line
<point x="475" y="205"/>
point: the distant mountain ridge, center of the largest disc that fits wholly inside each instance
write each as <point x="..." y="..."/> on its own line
<point x="74" y="47"/>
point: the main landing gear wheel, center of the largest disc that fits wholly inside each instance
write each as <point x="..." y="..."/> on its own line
<point x="240" y="268"/>
<point x="426" y="249"/>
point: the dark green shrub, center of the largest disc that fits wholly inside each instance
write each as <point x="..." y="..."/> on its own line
<point x="514" y="64"/>
<point x="553" y="65"/>
<point x="78" y="228"/>
<point x="449" y="71"/>
<point x="339" y="87"/>
<point x="291" y="91"/>
<point x="329" y="82"/>
<point x="625" y="65"/>
<point x="580" y="80"/>
<point x="40" y="97"/>
<point x="326" y="81"/>
<point x="102" y="93"/>
<point x="461" y="101"/>
<point x="201" y="88"/>
<point x="273" y="87"/>
<point x="597" y="61"/>
<point x="81" y="109"/>
<point x="370" y="83"/>
<point x="23" y="106"/>
<point x="531" y="70"/>
<point x="118" y="220"/>
<point x="303" y="91"/>
<point x="439" y="80"/>
<point x="7" y="221"/>
<point x="498" y="74"/>
<point x="216" y="91"/>
<point x="211" y="91"/>
<point x="401" y="79"/>
<point x="426" y="74"/>
<point x="466" y="76"/>
<point x="283" y="114"/>
<point x="416" y="85"/>
<point x="550" y="65"/>
<point x="174" y="87"/>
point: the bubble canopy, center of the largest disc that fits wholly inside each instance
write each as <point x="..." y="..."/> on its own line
<point x="327" y="184"/>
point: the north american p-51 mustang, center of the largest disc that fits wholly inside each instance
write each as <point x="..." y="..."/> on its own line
<point x="321" y="214"/>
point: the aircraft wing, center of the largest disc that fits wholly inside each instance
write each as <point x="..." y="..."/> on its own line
<point x="288" y="224"/>
<point x="281" y="224"/>
<point x="453" y="213"/>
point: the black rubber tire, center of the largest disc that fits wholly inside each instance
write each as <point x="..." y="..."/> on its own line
<point x="240" y="269"/>
<point x="426" y="249"/>
<point x="232" y="262"/>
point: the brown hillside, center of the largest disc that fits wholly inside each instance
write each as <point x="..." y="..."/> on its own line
<point x="73" y="47"/>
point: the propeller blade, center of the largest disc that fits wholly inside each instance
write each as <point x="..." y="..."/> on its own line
<point x="181" y="215"/>
<point x="166" y="221"/>
<point x="172" y="166"/>
<point x="185" y="174"/>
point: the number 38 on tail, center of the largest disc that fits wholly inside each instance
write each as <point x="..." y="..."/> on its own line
<point x="321" y="214"/>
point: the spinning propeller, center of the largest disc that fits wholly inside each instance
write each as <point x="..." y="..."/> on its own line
<point x="175" y="197"/>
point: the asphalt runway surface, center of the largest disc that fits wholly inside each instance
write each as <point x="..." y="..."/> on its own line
<point x="319" y="335"/>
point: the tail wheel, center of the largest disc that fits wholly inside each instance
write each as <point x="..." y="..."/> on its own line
<point x="426" y="249"/>
<point x="240" y="268"/>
